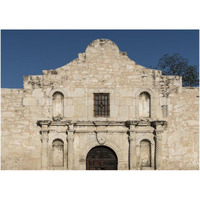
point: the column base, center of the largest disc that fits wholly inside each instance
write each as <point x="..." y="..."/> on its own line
<point x="147" y="168"/>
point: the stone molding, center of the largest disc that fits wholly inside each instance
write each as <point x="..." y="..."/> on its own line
<point x="41" y="123"/>
<point x="137" y="130"/>
<point x="105" y="130"/>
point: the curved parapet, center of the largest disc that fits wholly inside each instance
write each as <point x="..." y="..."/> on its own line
<point x="101" y="47"/>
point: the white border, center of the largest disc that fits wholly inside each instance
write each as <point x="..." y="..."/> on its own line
<point x="104" y="14"/>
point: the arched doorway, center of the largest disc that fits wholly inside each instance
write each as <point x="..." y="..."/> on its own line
<point x="101" y="158"/>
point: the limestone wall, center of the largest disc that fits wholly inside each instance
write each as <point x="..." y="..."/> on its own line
<point x="183" y="130"/>
<point x="101" y="69"/>
<point x="20" y="139"/>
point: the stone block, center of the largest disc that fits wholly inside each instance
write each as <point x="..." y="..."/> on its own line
<point x="29" y="101"/>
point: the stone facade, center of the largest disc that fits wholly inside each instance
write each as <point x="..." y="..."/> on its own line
<point x="50" y="124"/>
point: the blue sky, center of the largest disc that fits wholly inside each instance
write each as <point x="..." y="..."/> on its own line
<point x="28" y="52"/>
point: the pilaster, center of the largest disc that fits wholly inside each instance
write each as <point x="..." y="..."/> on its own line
<point x="158" y="150"/>
<point x="70" y="150"/>
<point x="132" y="155"/>
<point x="44" y="139"/>
<point x="159" y="128"/>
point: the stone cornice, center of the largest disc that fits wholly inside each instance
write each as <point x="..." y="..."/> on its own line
<point x="43" y="122"/>
<point x="96" y="131"/>
<point x="131" y="124"/>
<point x="59" y="123"/>
<point x="99" y="123"/>
<point x="159" y="122"/>
<point x="53" y="123"/>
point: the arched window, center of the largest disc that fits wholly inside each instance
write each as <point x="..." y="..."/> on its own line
<point x="144" y="105"/>
<point x="145" y="153"/>
<point x="58" y="106"/>
<point x="58" y="153"/>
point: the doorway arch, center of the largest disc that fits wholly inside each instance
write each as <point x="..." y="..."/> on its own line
<point x="101" y="158"/>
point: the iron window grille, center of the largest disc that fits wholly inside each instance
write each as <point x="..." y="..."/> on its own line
<point x="101" y="104"/>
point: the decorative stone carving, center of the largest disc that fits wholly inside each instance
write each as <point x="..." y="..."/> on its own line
<point x="44" y="136"/>
<point x="101" y="137"/>
<point x="44" y="139"/>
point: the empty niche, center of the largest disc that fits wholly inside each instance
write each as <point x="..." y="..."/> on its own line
<point x="58" y="153"/>
<point x="164" y="110"/>
<point x="145" y="153"/>
<point x="58" y="106"/>
<point x="144" y="105"/>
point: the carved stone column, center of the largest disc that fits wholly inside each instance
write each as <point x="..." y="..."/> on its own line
<point x="70" y="149"/>
<point x="132" y="143"/>
<point x="137" y="156"/>
<point x="44" y="139"/>
<point x="159" y="128"/>
<point x="158" y="150"/>
<point x="152" y="156"/>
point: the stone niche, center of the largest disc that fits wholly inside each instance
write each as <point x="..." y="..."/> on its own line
<point x="58" y="153"/>
<point x="58" y="106"/>
<point x="145" y="153"/>
<point x="144" y="105"/>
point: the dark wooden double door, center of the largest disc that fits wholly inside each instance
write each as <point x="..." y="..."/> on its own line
<point x="101" y="158"/>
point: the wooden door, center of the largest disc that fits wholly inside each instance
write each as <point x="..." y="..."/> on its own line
<point x="101" y="158"/>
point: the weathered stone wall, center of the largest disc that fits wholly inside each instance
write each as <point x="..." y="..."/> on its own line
<point x="183" y="130"/>
<point x="101" y="69"/>
<point x="20" y="139"/>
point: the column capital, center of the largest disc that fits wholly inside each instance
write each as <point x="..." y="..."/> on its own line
<point x="159" y="125"/>
<point x="70" y="127"/>
<point x="45" y="136"/>
<point x="159" y="135"/>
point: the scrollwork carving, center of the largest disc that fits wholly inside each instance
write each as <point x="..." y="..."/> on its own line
<point x="101" y="137"/>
